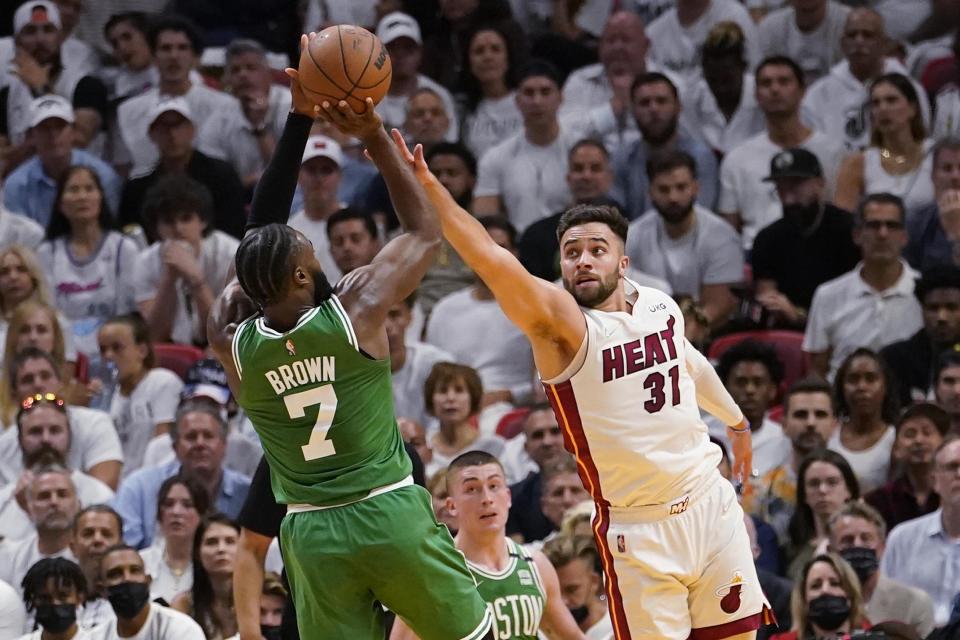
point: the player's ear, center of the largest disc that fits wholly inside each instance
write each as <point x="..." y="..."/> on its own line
<point x="450" y="505"/>
<point x="300" y="276"/>
<point x="624" y="264"/>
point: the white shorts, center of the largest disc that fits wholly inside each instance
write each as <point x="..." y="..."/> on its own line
<point x="681" y="570"/>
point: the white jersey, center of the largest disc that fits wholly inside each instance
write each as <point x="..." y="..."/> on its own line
<point x="628" y="405"/>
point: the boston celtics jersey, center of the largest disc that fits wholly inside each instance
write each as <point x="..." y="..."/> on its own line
<point x="515" y="595"/>
<point x="323" y="409"/>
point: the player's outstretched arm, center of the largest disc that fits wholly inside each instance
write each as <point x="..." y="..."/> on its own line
<point x="557" y="623"/>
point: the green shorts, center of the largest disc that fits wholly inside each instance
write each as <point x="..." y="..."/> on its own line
<point x="390" y="549"/>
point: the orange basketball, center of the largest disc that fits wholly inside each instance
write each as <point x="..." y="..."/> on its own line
<point x="345" y="62"/>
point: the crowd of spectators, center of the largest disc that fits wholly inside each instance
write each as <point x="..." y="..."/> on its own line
<point x="789" y="168"/>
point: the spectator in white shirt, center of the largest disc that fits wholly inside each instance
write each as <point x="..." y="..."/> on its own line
<point x="873" y="305"/>
<point x="18" y="229"/>
<point x="53" y="590"/>
<point x="13" y="615"/>
<point x="127" y="34"/>
<point x="95" y="529"/>
<point x="807" y="31"/>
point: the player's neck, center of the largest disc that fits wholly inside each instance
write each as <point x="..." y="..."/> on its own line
<point x="617" y="301"/>
<point x="283" y="316"/>
<point x="486" y="548"/>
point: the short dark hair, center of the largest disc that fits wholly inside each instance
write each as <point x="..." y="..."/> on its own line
<point x="810" y="384"/>
<point x="539" y="68"/>
<point x="782" y="61"/>
<point x="934" y="278"/>
<point x="444" y="373"/>
<point x="501" y="223"/>
<point x="62" y="571"/>
<point x="21" y="358"/>
<point x="141" y="334"/>
<point x="666" y="160"/>
<point x="586" y="213"/>
<point x="172" y="195"/>
<point x="453" y="149"/>
<point x="177" y="24"/>
<point x="561" y="465"/>
<point x="751" y="351"/>
<point x="891" y="399"/>
<point x="196" y="489"/>
<point x="470" y="459"/>
<point x="264" y="262"/>
<point x="239" y="46"/>
<point x="198" y="404"/>
<point x="880" y="198"/>
<point x="98" y="508"/>
<point x="589" y="142"/>
<point x="653" y="77"/>
<point x="120" y="546"/>
<point x="947" y="358"/>
<point x="350" y="213"/>
<point x="932" y="412"/>
<point x="136" y="19"/>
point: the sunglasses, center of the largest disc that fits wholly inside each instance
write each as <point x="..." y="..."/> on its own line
<point x="31" y="402"/>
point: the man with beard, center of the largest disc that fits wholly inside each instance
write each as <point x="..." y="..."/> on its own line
<point x="519" y="586"/>
<point x="95" y="529"/>
<point x="913" y="359"/>
<point x="656" y="107"/>
<point x="44" y="436"/>
<point x="686" y="244"/>
<point x="52" y="504"/>
<point x="857" y="533"/>
<point x="127" y="587"/>
<point x="810" y="244"/>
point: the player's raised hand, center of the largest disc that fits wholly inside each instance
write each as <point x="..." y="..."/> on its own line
<point x="740" y="441"/>
<point x="415" y="160"/>
<point x="363" y="126"/>
<point x="300" y="103"/>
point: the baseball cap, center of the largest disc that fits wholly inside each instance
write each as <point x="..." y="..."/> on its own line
<point x="323" y="147"/>
<point x="206" y="378"/>
<point x="50" y="106"/>
<point x="36" y="12"/>
<point x="170" y="103"/>
<point x="794" y="163"/>
<point x="398" y="25"/>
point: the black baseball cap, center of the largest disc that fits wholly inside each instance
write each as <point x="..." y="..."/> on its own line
<point x="794" y="163"/>
<point x="206" y="378"/>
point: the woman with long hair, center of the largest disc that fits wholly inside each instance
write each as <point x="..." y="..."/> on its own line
<point x="898" y="160"/>
<point x="867" y="406"/>
<point x="489" y="79"/>
<point x="21" y="279"/>
<point x="825" y="482"/>
<point x="181" y="502"/>
<point x="89" y="263"/>
<point x="826" y="601"/>
<point x="210" y="599"/>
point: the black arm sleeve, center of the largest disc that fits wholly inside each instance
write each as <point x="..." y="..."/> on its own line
<point x="261" y="513"/>
<point x="274" y="193"/>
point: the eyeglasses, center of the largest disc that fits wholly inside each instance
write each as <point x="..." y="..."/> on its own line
<point x="876" y="225"/>
<point x="31" y="402"/>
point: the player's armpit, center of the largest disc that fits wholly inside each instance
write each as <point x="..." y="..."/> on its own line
<point x="557" y="622"/>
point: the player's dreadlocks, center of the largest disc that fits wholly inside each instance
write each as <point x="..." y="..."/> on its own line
<point x="62" y="571"/>
<point x="264" y="261"/>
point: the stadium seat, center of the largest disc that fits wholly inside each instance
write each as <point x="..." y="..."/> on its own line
<point x="176" y="357"/>
<point x="511" y="425"/>
<point x="789" y="346"/>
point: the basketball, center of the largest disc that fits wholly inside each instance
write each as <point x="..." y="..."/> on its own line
<point x="345" y="62"/>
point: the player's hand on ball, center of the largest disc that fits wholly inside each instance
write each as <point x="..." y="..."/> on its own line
<point x="740" y="440"/>
<point x="299" y="101"/>
<point x="359" y="125"/>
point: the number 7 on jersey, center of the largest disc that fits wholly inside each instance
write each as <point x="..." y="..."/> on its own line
<point x="318" y="446"/>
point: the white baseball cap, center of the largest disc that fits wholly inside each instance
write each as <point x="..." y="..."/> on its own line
<point x="50" y="106"/>
<point x="323" y="147"/>
<point x="36" y="12"/>
<point x="170" y="103"/>
<point x="398" y="25"/>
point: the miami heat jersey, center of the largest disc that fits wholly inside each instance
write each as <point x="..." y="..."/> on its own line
<point x="627" y="405"/>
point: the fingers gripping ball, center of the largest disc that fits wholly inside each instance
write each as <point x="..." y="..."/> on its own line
<point x="345" y="62"/>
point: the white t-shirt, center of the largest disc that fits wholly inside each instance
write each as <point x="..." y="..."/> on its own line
<point x="19" y="229"/>
<point x="165" y="583"/>
<point x="82" y="634"/>
<point x="460" y="322"/>
<point x="15" y="523"/>
<point x="13" y="615"/>
<point x="601" y="630"/>
<point x="93" y="439"/>
<point x="152" y="402"/>
<point x="163" y="623"/>
<point x="870" y="465"/>
<point x="91" y="291"/>
<point x="529" y="179"/>
<point x="742" y="171"/>
<point x="393" y="109"/>
<point x="704" y="115"/>
<point x="316" y="232"/>
<point x="17" y="556"/>
<point x="216" y="255"/>
<point x="817" y="51"/>
<point x="408" y="381"/>
<point x="494" y="120"/>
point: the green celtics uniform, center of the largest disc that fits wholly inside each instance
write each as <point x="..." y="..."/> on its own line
<point x="357" y="530"/>
<point x="516" y="596"/>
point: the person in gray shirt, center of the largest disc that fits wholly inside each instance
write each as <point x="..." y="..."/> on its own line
<point x="687" y="245"/>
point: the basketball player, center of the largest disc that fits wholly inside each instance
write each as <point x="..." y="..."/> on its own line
<point x="311" y="370"/>
<point x="520" y="587"/>
<point x="625" y="385"/>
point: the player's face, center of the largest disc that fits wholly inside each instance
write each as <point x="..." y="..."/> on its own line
<point x="809" y="421"/>
<point x="118" y="346"/>
<point x="36" y="376"/>
<point x="825" y="489"/>
<point x="543" y="440"/>
<point x="200" y="444"/>
<point x="452" y="172"/>
<point x="656" y="110"/>
<point x="480" y="498"/>
<point x="947" y="390"/>
<point x="52" y="502"/>
<point x="853" y="531"/>
<point x="427" y="119"/>
<point x="178" y="515"/>
<point x="130" y="46"/>
<point x="122" y="565"/>
<point x="319" y="179"/>
<point x="591" y="263"/>
<point x="752" y="388"/>
<point x="451" y="402"/>
<point x="863" y="386"/>
<point x="95" y="533"/>
<point x="44" y="426"/>
<point x="175" y="57"/>
<point x="778" y="90"/>
<point x="488" y="57"/>
<point x="589" y="175"/>
<point x="36" y="331"/>
<point x="941" y="315"/>
<point x="673" y="194"/>
<point x="40" y="40"/>
<point x="351" y="245"/>
<point x="578" y="583"/>
<point x="560" y="494"/>
<point x="946" y="171"/>
<point x="946" y="474"/>
<point x="538" y="99"/>
<point x="82" y="199"/>
<point x="218" y="549"/>
<point x="822" y="579"/>
<point x="271" y="610"/>
<point x="882" y="235"/>
<point x="917" y="439"/>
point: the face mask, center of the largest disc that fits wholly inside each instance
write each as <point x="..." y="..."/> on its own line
<point x="828" y="612"/>
<point x="56" y="618"/>
<point x="128" y="598"/>
<point x="864" y="561"/>
<point x="580" y="613"/>
<point x="270" y="632"/>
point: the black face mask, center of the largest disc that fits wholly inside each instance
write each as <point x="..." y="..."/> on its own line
<point x="864" y="561"/>
<point x="580" y="613"/>
<point x="803" y="215"/>
<point x="56" y="618"/>
<point x="128" y="598"/>
<point x="828" y="612"/>
<point x="270" y="632"/>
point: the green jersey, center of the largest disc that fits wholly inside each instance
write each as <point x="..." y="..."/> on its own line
<point x="323" y="409"/>
<point x="515" y="596"/>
